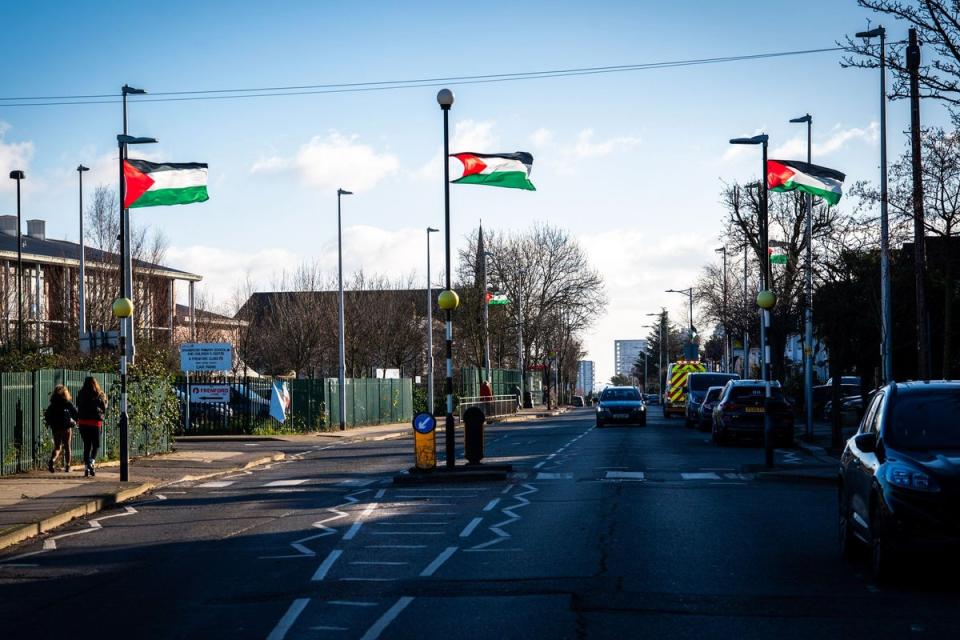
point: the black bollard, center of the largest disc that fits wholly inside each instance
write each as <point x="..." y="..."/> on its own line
<point x="473" y="420"/>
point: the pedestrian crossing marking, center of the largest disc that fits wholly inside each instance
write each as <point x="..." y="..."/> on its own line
<point x="285" y="483"/>
<point x="700" y="475"/>
<point x="356" y="482"/>
<point x="216" y="484"/>
<point x="625" y="475"/>
<point x="554" y="476"/>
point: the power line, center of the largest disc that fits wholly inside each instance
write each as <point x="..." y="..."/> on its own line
<point x="388" y="85"/>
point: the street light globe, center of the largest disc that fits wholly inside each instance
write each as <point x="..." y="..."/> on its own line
<point x="445" y="98"/>
<point x="122" y="308"/>
<point x="448" y="300"/>
<point x="766" y="300"/>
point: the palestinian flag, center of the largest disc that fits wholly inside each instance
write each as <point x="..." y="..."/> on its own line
<point x="787" y="175"/>
<point x="510" y="170"/>
<point x="497" y="298"/>
<point x="152" y="184"/>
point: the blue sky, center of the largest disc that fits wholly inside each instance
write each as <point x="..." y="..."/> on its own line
<point x="631" y="163"/>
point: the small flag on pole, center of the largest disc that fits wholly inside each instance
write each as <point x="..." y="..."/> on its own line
<point x="279" y="402"/>
<point x="497" y="298"/>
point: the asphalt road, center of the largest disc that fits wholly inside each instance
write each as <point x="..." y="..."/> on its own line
<point x="620" y="532"/>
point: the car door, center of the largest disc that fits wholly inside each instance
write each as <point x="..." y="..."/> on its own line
<point x="862" y="466"/>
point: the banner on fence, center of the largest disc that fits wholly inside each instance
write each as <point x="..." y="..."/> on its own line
<point x="206" y="356"/>
<point x="210" y="393"/>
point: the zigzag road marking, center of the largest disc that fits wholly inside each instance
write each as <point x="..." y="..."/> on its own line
<point x="300" y="546"/>
<point x="497" y="528"/>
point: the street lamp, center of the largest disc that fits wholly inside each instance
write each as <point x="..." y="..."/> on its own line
<point x="765" y="299"/>
<point x="449" y="300"/>
<point x="486" y="320"/>
<point x="692" y="334"/>
<point x="886" y="314"/>
<point x="81" y="288"/>
<point x="126" y="269"/>
<point x="19" y="175"/>
<point x="123" y="305"/>
<point x="342" y="366"/>
<point x="429" y="327"/>
<point x="808" y="310"/>
<point x="726" y="338"/>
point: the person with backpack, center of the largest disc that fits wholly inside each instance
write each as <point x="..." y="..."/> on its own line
<point x="61" y="417"/>
<point x="92" y="407"/>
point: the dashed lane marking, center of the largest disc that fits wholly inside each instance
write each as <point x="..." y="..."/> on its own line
<point x="357" y="482"/>
<point x="396" y="546"/>
<point x="351" y="603"/>
<point x="355" y="527"/>
<point x="467" y="530"/>
<point x="554" y="476"/>
<point x="491" y="504"/>
<point x="431" y="568"/>
<point x="326" y="565"/>
<point x="280" y="631"/>
<point x="700" y="475"/>
<point x="384" y="621"/>
<point x="625" y="475"/>
<point x="285" y="483"/>
<point x="216" y="484"/>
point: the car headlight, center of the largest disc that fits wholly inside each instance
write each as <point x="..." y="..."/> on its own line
<point x="643" y="408"/>
<point x="900" y="475"/>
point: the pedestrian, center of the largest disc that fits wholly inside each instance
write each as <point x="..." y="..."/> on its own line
<point x="92" y="407"/>
<point x="61" y="417"/>
<point x="486" y="398"/>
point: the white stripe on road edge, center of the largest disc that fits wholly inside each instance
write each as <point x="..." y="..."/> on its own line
<point x="700" y="476"/>
<point x="216" y="484"/>
<point x="280" y="631"/>
<point x="325" y="566"/>
<point x="389" y="616"/>
<point x="51" y="543"/>
<point x="160" y="496"/>
<point x="554" y="476"/>
<point x="439" y="560"/>
<point x="625" y="475"/>
<point x="328" y="628"/>
<point x="384" y="563"/>
<point x="412" y="524"/>
<point x="284" y="483"/>
<point x="351" y="603"/>
<point x="467" y="530"/>
<point x="396" y="546"/>
<point x="355" y="482"/>
<point x="355" y="527"/>
<point x="491" y="504"/>
<point x="380" y="494"/>
<point x="539" y="464"/>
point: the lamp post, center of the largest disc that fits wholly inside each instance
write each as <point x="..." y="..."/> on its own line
<point x="660" y="350"/>
<point x="886" y="313"/>
<point x="449" y="300"/>
<point x="342" y="365"/>
<point x="429" y="327"/>
<point x="808" y="308"/>
<point x="19" y="175"/>
<point x="726" y="338"/>
<point x="523" y="272"/>
<point x="126" y="269"/>
<point x="692" y="333"/>
<point x="486" y="321"/>
<point x="123" y="305"/>
<point x="765" y="299"/>
<point x="83" y="265"/>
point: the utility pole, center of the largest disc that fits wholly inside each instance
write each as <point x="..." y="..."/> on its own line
<point x="808" y="307"/>
<point x="919" y="249"/>
<point x="726" y="338"/>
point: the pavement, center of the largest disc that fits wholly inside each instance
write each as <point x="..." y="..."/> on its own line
<point x="38" y="502"/>
<point x="619" y="532"/>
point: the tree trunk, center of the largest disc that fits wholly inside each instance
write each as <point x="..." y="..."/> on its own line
<point x="836" y="418"/>
<point x="947" y="312"/>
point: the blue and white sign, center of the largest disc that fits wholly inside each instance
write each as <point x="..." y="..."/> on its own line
<point x="424" y="422"/>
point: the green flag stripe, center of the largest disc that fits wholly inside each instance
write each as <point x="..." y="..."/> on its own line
<point x="832" y="197"/>
<point x="508" y="179"/>
<point x="161" y="197"/>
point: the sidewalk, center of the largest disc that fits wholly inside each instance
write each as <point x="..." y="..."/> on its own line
<point x="821" y="463"/>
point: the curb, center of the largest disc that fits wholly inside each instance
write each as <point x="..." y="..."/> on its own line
<point x="90" y="507"/>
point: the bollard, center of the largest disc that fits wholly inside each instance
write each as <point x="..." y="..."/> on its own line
<point x="473" y="420"/>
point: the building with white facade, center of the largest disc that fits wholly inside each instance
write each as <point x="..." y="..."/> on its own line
<point x="626" y="353"/>
<point x="585" y="379"/>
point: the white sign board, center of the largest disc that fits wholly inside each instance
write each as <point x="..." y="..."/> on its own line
<point x="206" y="356"/>
<point x="219" y="393"/>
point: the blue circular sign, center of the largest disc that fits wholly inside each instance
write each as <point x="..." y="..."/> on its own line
<point x="424" y="422"/>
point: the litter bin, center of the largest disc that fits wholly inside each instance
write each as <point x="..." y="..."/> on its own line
<point x="473" y="420"/>
<point x="528" y="400"/>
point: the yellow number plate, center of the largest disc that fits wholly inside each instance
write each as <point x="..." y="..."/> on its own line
<point x="754" y="409"/>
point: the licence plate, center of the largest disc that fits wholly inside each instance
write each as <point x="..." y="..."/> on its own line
<point x="754" y="409"/>
<point x="621" y="416"/>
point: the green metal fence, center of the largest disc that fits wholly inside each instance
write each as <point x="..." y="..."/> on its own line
<point x="370" y="401"/>
<point x="502" y="381"/>
<point x="25" y="440"/>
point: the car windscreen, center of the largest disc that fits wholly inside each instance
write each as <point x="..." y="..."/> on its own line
<point x="928" y="419"/>
<point x="703" y="381"/>
<point x="619" y="394"/>
<point x="713" y="394"/>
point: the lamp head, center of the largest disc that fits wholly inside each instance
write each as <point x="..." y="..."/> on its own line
<point x="759" y="139"/>
<point x="432" y="230"/>
<point x="343" y="192"/>
<point x="445" y="98"/>
<point x="128" y="90"/>
<point x="17" y="174"/>
<point x="872" y="33"/>
<point x="82" y="168"/>
<point x="125" y="139"/>
<point x="806" y="118"/>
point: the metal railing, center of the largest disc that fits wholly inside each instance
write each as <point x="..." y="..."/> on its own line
<point x="492" y="407"/>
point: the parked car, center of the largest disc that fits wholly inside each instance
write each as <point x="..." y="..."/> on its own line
<point x="849" y="406"/>
<point x="577" y="401"/>
<point x="203" y="412"/>
<point x="621" y="404"/>
<point x="824" y="393"/>
<point x="705" y="411"/>
<point x="651" y="399"/>
<point x="742" y="408"/>
<point x="900" y="475"/>
<point x="696" y="391"/>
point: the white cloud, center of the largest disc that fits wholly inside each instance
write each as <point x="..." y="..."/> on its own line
<point x="13" y="155"/>
<point x="796" y="147"/>
<point x="223" y="269"/>
<point x="541" y="137"/>
<point x="585" y="146"/>
<point x="334" y="161"/>
<point x="468" y="135"/>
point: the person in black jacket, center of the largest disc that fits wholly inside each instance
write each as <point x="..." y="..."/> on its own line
<point x="61" y="417"/>
<point x="92" y="407"/>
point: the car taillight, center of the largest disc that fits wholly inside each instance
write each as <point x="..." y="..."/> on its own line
<point x="730" y="406"/>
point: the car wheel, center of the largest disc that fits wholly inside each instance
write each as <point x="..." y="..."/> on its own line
<point x="883" y="556"/>
<point x="848" y="542"/>
<point x="599" y="423"/>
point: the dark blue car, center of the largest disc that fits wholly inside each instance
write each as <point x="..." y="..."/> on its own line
<point x="622" y="405"/>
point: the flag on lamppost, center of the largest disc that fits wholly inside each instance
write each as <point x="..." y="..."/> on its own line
<point x="152" y="184"/>
<point x="509" y="170"/>
<point x="497" y="298"/>
<point x="787" y="175"/>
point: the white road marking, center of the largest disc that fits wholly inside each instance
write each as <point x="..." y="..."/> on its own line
<point x="431" y="497"/>
<point x="380" y="494"/>
<point x="384" y="563"/>
<point x="439" y="560"/>
<point x="287" y="490"/>
<point x="351" y="603"/>
<point x="328" y="628"/>
<point x="709" y="475"/>
<point x="389" y="616"/>
<point x="160" y="496"/>
<point x="625" y="475"/>
<point x="216" y="484"/>
<point x="355" y="527"/>
<point x="506" y="489"/>
<point x="412" y="524"/>
<point x="325" y="566"/>
<point x="285" y="483"/>
<point x="554" y="476"/>
<point x="467" y="530"/>
<point x="396" y="546"/>
<point x="491" y="504"/>
<point x="368" y="579"/>
<point x="539" y="464"/>
<point x="408" y="533"/>
<point x="280" y="631"/>
<point x="50" y="544"/>
<point x="497" y="528"/>
<point x="356" y="482"/>
<point x="325" y="530"/>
